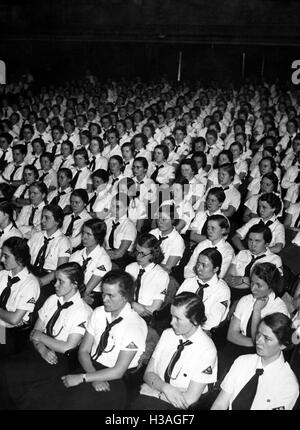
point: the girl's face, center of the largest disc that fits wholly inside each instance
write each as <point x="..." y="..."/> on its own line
<point x="29" y="177"/>
<point x="235" y="150"/>
<point x="204" y="268"/>
<point x="186" y="171"/>
<point x="77" y="204"/>
<point x="46" y="163"/>
<point x="181" y="325"/>
<point x="63" y="286"/>
<point x="8" y="259"/>
<point x="94" y="147"/>
<point x="138" y="169"/>
<point x="147" y="132"/>
<point x="80" y="161"/>
<point x="37" y="148"/>
<point x="199" y="146"/>
<point x="224" y="177"/>
<point x="48" y="222"/>
<point x="159" y="156"/>
<point x="265" y="167"/>
<point x="199" y="162"/>
<point x="63" y="180"/>
<point x="259" y="288"/>
<point x="267" y="185"/>
<point x="88" y="238"/>
<point x="264" y="210"/>
<point x="212" y="203"/>
<point x="114" y="166"/>
<point x="65" y="150"/>
<point x="164" y="222"/>
<point x="223" y="159"/>
<point x="267" y="344"/>
<point x="177" y="192"/>
<point x="127" y="153"/>
<point x="97" y="182"/>
<point x="144" y="255"/>
<point x="214" y="231"/>
<point x="35" y="196"/>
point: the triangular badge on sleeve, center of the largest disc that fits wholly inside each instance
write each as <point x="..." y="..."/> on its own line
<point x="164" y="292"/>
<point x="225" y="303"/>
<point x="68" y="251"/>
<point x="32" y="301"/>
<point x="82" y="325"/>
<point x="101" y="268"/>
<point x="208" y="371"/>
<point x="280" y="408"/>
<point x="132" y="345"/>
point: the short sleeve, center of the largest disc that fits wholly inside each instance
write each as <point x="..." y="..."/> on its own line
<point x="133" y="338"/>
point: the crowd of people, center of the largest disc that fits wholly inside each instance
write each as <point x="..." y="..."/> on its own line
<point x="150" y="234"/>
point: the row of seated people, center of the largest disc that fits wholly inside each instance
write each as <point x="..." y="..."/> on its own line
<point x="117" y="341"/>
<point x="217" y="183"/>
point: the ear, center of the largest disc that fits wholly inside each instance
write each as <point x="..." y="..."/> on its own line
<point x="216" y="269"/>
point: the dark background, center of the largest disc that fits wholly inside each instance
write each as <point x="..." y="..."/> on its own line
<point x="61" y="39"/>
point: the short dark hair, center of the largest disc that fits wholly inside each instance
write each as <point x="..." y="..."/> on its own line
<point x="125" y="281"/>
<point x="214" y="256"/>
<point x="74" y="273"/>
<point x="98" y="228"/>
<point x="218" y="192"/>
<point x="82" y="194"/>
<point x="67" y="172"/>
<point x="57" y="212"/>
<point x="41" y="186"/>
<point x="164" y="149"/>
<point x="281" y="325"/>
<point x="101" y="173"/>
<point x="142" y="160"/>
<point x="202" y="155"/>
<point x="229" y="168"/>
<point x="221" y="220"/>
<point x="273" y="200"/>
<point x="149" y="241"/>
<point x="190" y="162"/>
<point x="19" y="249"/>
<point x="194" y="307"/>
<point x="268" y="273"/>
<point x="263" y="229"/>
<point x="21" y="148"/>
<point x="33" y="169"/>
<point x="83" y="152"/>
<point x="48" y="155"/>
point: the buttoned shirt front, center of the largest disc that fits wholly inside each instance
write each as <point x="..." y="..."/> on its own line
<point x="154" y="282"/>
<point x="173" y="246"/>
<point x="98" y="265"/>
<point x="277" y="387"/>
<point x="125" y="231"/>
<point x="216" y="299"/>
<point x="245" y="306"/>
<point x="72" y="320"/>
<point x="59" y="246"/>
<point x="128" y="335"/>
<point x="197" y="362"/>
<point x="23" y="295"/>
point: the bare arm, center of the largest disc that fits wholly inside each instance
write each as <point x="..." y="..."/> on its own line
<point x="234" y="334"/>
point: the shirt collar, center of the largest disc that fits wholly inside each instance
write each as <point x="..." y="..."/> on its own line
<point x="124" y="312"/>
<point x="75" y="298"/>
<point x="8" y="228"/>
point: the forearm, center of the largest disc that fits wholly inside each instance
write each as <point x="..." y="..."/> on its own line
<point x="195" y="237"/>
<point x="238" y="242"/>
<point x="239" y="339"/>
<point x="86" y="361"/>
<point x="256" y="318"/>
<point x="40" y="347"/>
<point x="109" y="374"/>
<point x="91" y="285"/>
<point x="154" y="381"/>
<point x="45" y="280"/>
<point x="9" y="317"/>
<point x="276" y="248"/>
<point x="54" y="344"/>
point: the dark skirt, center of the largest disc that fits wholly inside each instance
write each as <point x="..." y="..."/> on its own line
<point x="53" y="395"/>
<point x="22" y="376"/>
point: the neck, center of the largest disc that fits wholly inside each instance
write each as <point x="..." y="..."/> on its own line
<point x="89" y="249"/>
<point x="16" y="270"/>
<point x="190" y="333"/>
<point x="165" y="233"/>
<point x="51" y="231"/>
<point x="268" y="360"/>
<point x="268" y="218"/>
<point x="68" y="296"/>
<point x="116" y="313"/>
<point x="214" y="242"/>
<point x="64" y="187"/>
